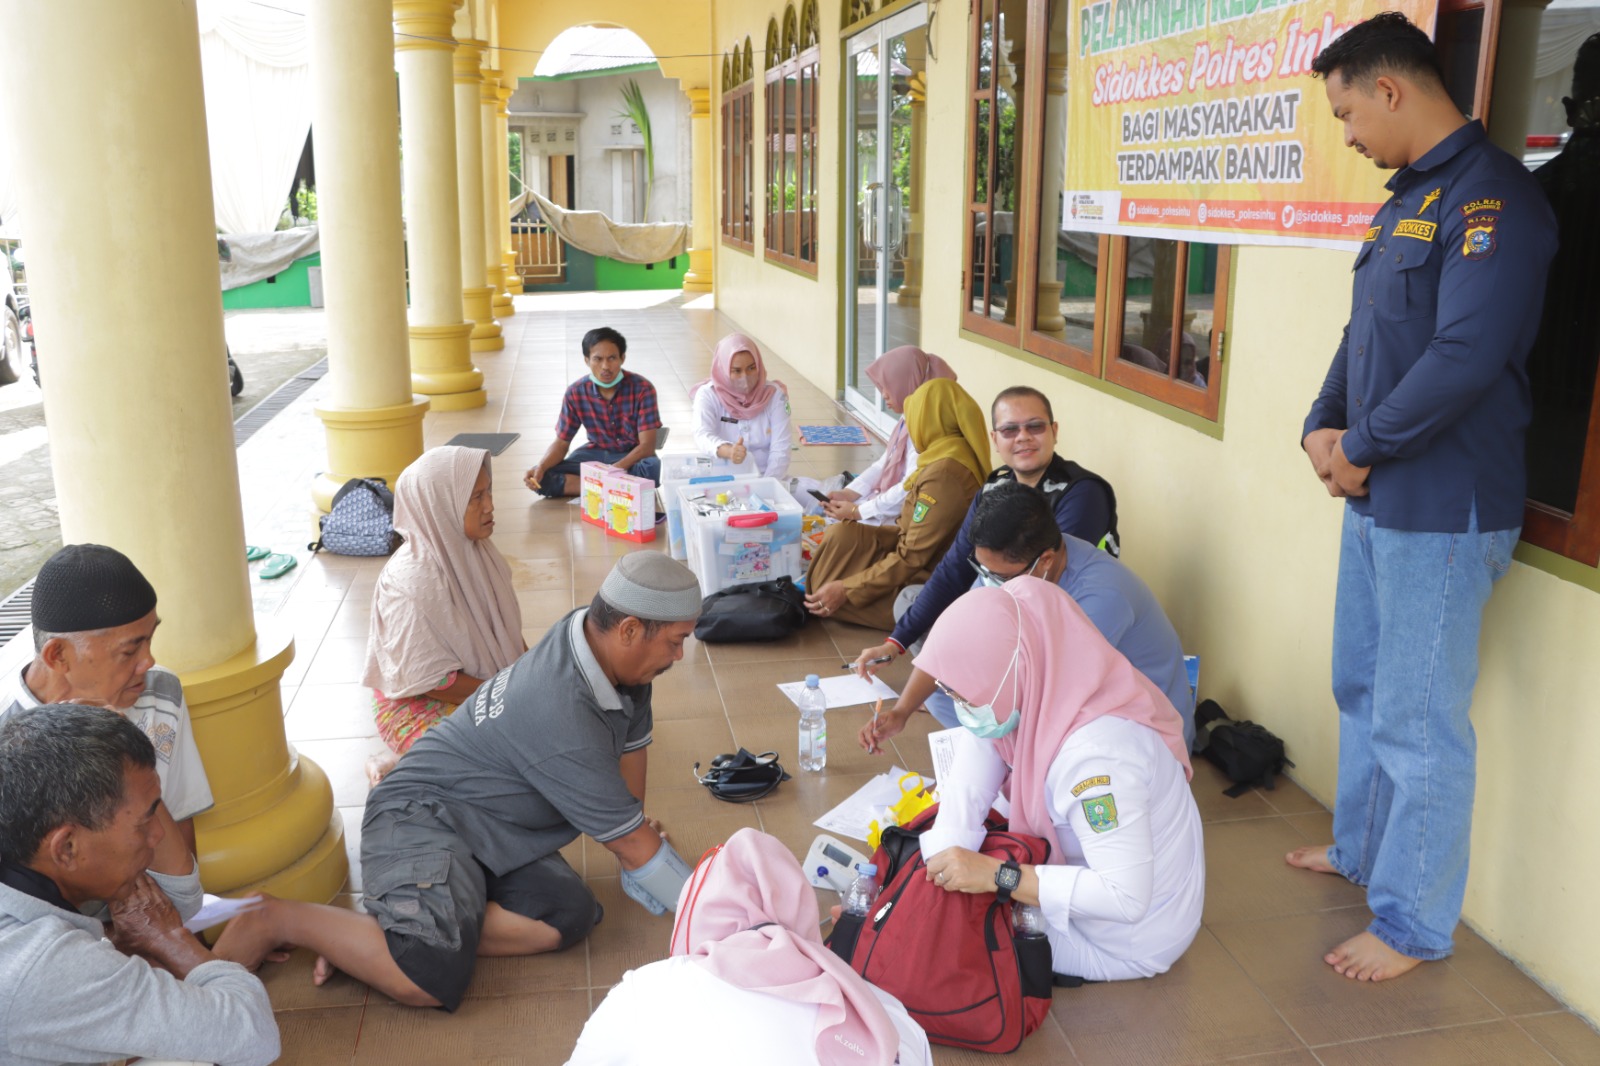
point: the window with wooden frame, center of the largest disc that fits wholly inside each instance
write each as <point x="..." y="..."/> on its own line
<point x="1540" y="100"/>
<point x="793" y="56"/>
<point x="1141" y="313"/>
<point x="738" y="144"/>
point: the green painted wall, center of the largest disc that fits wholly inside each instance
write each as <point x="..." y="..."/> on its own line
<point x="289" y="288"/>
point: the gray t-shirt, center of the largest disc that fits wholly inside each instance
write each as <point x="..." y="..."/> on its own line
<point x="530" y="761"/>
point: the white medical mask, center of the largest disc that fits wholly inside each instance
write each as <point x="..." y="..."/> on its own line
<point x="992" y="580"/>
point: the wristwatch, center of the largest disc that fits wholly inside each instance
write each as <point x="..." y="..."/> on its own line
<point x="1006" y="880"/>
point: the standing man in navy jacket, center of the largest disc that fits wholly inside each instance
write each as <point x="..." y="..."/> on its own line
<point x="1420" y="426"/>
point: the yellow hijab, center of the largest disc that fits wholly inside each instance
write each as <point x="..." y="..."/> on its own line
<point x="945" y="423"/>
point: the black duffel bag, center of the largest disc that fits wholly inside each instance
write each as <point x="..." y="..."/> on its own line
<point x="760" y="610"/>
<point x="1251" y="755"/>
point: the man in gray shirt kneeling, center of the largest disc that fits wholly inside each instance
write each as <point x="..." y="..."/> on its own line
<point x="460" y="843"/>
<point x="79" y="821"/>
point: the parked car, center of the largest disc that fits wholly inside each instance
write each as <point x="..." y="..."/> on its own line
<point x="12" y="310"/>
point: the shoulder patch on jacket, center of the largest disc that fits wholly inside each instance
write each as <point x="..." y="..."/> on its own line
<point x="1101" y="813"/>
<point x="1090" y="782"/>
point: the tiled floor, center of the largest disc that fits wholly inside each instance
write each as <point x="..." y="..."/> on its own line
<point x="1251" y="988"/>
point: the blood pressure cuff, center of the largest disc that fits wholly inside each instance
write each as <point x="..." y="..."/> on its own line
<point x="656" y="885"/>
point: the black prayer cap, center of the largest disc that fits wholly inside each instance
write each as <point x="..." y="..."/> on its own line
<point x="84" y="587"/>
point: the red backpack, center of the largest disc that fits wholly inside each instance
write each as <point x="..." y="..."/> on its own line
<point x="951" y="957"/>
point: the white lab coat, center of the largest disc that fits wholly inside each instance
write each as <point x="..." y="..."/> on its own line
<point x="1127" y="902"/>
<point x="674" y="1011"/>
<point x="767" y="436"/>
<point x="884" y="508"/>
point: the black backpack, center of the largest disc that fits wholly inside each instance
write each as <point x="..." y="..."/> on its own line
<point x="759" y="610"/>
<point x="1250" y="754"/>
<point x="361" y="520"/>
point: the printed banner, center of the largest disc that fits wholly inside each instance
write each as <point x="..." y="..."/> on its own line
<point x="1200" y="120"/>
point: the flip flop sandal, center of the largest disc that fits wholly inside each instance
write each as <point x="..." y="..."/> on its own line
<point x="277" y="566"/>
<point x="252" y="553"/>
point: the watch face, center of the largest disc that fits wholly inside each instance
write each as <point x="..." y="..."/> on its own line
<point x="1008" y="877"/>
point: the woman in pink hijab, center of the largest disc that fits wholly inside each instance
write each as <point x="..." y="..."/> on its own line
<point x="1097" y="766"/>
<point x="749" y="980"/>
<point x="739" y="413"/>
<point x="878" y="492"/>
<point x="444" y="615"/>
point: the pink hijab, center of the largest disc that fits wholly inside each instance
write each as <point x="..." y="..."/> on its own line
<point x="1066" y="676"/>
<point x="749" y="917"/>
<point x="898" y="373"/>
<point x="740" y="404"/>
<point x="443" y="602"/>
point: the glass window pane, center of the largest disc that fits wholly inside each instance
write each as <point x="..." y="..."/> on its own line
<point x="1562" y="148"/>
<point x="1148" y="312"/>
<point x="978" y="294"/>
<point x="980" y="152"/>
<point x="985" y="46"/>
<point x="1007" y="180"/>
<point x="791" y="146"/>
<point x="1068" y="260"/>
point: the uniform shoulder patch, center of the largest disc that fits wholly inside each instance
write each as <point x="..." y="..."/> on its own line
<point x="1101" y="813"/>
<point x="1090" y="782"/>
<point x="1472" y="207"/>
<point x="1479" y="242"/>
<point x="920" y="511"/>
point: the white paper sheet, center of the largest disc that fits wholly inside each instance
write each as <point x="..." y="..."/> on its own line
<point x="844" y="690"/>
<point x="942" y="746"/>
<point x="215" y="910"/>
<point x="854" y="817"/>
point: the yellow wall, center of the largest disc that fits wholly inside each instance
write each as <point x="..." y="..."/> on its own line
<point x="1238" y="538"/>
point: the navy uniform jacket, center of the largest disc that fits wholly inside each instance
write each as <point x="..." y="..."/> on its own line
<point x="1431" y="378"/>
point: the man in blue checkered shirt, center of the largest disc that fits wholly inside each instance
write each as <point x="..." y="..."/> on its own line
<point x="616" y="409"/>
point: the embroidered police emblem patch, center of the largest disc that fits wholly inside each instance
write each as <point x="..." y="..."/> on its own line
<point x="1101" y="813"/>
<point x="1479" y="242"/>
<point x="919" y="512"/>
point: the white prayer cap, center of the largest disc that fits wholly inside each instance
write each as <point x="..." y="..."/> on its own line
<point x="654" y="587"/>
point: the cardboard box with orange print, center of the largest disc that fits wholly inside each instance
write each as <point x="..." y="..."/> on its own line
<point x="592" y="492"/>
<point x="630" y="506"/>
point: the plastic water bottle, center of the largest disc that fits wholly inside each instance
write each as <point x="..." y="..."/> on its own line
<point x="813" y="726"/>
<point x="863" y="891"/>
<point x="1027" y="920"/>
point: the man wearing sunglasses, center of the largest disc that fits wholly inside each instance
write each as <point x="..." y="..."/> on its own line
<point x="1024" y="436"/>
<point x="1012" y="535"/>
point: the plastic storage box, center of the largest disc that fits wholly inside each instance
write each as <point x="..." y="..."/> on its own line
<point x="723" y="552"/>
<point x="683" y="468"/>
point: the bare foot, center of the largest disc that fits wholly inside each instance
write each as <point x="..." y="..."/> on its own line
<point x="379" y="765"/>
<point x="1366" y="958"/>
<point x="1311" y="858"/>
<point x="249" y="939"/>
<point x="321" y="971"/>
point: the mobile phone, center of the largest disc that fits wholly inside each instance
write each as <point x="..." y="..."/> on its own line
<point x="822" y="497"/>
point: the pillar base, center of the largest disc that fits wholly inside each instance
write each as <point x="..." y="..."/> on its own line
<point x="501" y="301"/>
<point x="513" y="279"/>
<point x="274" y="827"/>
<point x="1047" y="317"/>
<point x="368" y="442"/>
<point x="698" y="277"/>
<point x="477" y="304"/>
<point x="441" y="367"/>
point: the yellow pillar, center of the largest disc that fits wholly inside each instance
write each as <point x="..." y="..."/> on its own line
<point x="508" y="254"/>
<point x="703" y="176"/>
<point x="136" y="396"/>
<point x="909" y="294"/>
<point x="441" y="359"/>
<point x="1047" y="315"/>
<point x="476" y="293"/>
<point x="372" y="420"/>
<point x="494" y="193"/>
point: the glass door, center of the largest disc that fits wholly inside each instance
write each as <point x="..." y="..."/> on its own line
<point x="885" y="146"/>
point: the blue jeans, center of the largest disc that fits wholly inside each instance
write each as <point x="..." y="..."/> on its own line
<point x="554" y="482"/>
<point x="1405" y="660"/>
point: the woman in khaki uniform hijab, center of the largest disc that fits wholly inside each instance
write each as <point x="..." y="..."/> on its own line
<point x="859" y="569"/>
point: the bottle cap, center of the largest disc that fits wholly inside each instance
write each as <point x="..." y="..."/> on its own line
<point x="812" y="681"/>
<point x="868" y="868"/>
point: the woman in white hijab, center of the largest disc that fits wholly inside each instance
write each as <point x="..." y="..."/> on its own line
<point x="444" y="616"/>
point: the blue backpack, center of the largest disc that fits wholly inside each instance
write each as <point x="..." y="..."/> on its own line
<point x="361" y="520"/>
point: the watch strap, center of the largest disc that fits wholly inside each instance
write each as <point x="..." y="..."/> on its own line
<point x="1001" y="889"/>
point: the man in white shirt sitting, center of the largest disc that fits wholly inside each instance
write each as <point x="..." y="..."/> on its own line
<point x="93" y="616"/>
